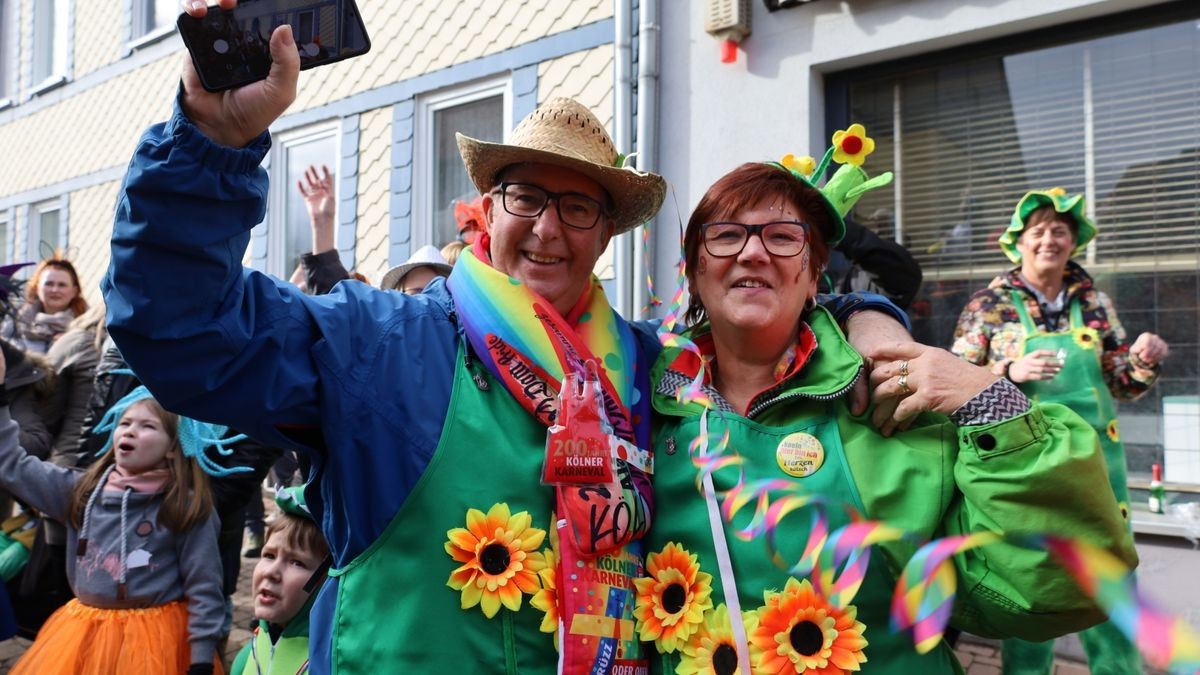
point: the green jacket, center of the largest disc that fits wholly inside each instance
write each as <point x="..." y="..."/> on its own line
<point x="288" y="655"/>
<point x="1038" y="472"/>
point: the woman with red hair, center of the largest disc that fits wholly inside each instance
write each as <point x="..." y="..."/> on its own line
<point x="53" y="298"/>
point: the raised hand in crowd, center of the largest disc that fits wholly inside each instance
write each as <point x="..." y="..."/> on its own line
<point x="320" y="201"/>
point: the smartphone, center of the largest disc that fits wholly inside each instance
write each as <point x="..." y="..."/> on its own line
<point x="231" y="48"/>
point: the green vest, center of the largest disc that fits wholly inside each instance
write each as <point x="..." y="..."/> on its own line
<point x="394" y="608"/>
<point x="288" y="656"/>
<point x="1079" y="385"/>
<point x="683" y="512"/>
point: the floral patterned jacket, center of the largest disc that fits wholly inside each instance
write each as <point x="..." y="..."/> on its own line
<point x="989" y="330"/>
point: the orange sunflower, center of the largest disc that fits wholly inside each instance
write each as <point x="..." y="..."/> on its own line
<point x="670" y="604"/>
<point x="712" y="650"/>
<point x="797" y="631"/>
<point x="1114" y="432"/>
<point x="547" y="598"/>
<point x="499" y="557"/>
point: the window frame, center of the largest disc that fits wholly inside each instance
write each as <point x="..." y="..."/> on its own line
<point x="33" y="233"/>
<point x="137" y="21"/>
<point x="60" y="48"/>
<point x="424" y="146"/>
<point x="277" y="166"/>
<point x="8" y="222"/>
<point x="9" y="57"/>
<point x="837" y="112"/>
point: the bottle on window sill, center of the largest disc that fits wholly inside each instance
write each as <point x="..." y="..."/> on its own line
<point x="1157" y="492"/>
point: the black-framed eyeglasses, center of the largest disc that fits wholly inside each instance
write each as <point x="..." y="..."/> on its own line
<point x="781" y="238"/>
<point x="526" y="200"/>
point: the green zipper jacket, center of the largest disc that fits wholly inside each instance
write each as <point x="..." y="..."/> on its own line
<point x="1041" y="471"/>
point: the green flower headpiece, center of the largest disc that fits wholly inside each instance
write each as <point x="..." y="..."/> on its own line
<point x="290" y="500"/>
<point x="843" y="189"/>
<point x="1057" y="198"/>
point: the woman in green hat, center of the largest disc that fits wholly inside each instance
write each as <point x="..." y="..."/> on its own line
<point x="1046" y="327"/>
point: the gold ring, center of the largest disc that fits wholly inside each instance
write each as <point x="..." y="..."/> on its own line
<point x="904" y="368"/>
<point x="903" y="382"/>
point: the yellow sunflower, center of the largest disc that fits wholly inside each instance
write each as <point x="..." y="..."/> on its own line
<point x="499" y="557"/>
<point x="1085" y="339"/>
<point x="712" y="650"/>
<point x="804" y="165"/>
<point x="547" y="598"/>
<point x="852" y="145"/>
<point x="1114" y="434"/>
<point x="797" y="631"/>
<point x="670" y="604"/>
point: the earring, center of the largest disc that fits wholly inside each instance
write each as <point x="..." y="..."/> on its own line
<point x="810" y="304"/>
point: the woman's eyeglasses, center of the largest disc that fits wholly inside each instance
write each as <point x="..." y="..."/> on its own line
<point x="783" y="238"/>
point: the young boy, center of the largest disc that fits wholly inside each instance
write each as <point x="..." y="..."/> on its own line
<point x="295" y="558"/>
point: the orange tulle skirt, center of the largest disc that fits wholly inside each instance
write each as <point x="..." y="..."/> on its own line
<point x="82" y="640"/>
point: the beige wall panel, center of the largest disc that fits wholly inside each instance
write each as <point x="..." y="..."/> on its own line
<point x="584" y="76"/>
<point x="95" y="130"/>
<point x="98" y="34"/>
<point x="414" y="37"/>
<point x="91" y="213"/>
<point x="374" y="180"/>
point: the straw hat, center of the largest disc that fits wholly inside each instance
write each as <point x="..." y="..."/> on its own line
<point x="562" y="132"/>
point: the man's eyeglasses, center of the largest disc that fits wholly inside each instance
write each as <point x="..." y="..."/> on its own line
<point x="526" y="200"/>
<point x="783" y="238"/>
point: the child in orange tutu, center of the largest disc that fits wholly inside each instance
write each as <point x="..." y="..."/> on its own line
<point x="143" y="537"/>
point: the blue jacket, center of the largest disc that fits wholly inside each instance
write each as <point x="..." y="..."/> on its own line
<point x="360" y="378"/>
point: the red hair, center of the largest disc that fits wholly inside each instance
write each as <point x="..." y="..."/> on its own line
<point x="746" y="186"/>
<point x="78" y="304"/>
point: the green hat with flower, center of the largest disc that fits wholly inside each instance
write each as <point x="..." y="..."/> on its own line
<point x="290" y="500"/>
<point x="843" y="189"/>
<point x="1072" y="205"/>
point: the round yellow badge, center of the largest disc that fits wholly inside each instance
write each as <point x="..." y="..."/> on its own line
<point x="800" y="454"/>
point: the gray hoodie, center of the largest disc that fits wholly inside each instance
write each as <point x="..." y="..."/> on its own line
<point x="160" y="566"/>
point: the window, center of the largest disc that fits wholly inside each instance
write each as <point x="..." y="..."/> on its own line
<point x="480" y="112"/>
<point x="47" y="229"/>
<point x="49" y="41"/>
<point x="153" y="17"/>
<point x="289" y="230"/>
<point x="8" y="50"/>
<point x="1112" y="115"/>
<point x="5" y="245"/>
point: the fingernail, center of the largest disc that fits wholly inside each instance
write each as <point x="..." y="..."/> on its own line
<point x="199" y="4"/>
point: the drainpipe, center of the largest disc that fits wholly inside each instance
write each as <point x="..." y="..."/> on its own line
<point x="647" y="133"/>
<point x="623" y="250"/>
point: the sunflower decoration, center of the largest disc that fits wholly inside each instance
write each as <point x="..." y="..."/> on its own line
<point x="852" y="145"/>
<point x="804" y="166"/>
<point x="671" y="602"/>
<point x="1114" y="434"/>
<point x="798" y="632"/>
<point x="499" y="557"/>
<point x="712" y="649"/>
<point x="547" y="598"/>
<point x="1085" y="339"/>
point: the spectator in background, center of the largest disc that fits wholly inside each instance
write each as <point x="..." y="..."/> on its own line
<point x="452" y="250"/>
<point x="52" y="300"/>
<point x="1045" y="326"/>
<point x="413" y="275"/>
<point x="864" y="261"/>
<point x="469" y="215"/>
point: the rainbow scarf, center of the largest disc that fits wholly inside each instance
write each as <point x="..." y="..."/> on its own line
<point x="525" y="343"/>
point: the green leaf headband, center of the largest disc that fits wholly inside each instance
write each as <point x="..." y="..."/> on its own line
<point x="290" y="500"/>
<point x="850" y="182"/>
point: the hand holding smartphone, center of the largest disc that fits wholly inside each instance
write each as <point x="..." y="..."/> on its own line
<point x="231" y="48"/>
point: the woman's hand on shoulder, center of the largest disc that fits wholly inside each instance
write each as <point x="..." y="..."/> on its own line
<point x="911" y="378"/>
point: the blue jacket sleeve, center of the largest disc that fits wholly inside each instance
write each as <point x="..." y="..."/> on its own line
<point x="843" y="306"/>
<point x="209" y="339"/>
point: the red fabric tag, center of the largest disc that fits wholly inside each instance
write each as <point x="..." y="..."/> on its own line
<point x="577" y="446"/>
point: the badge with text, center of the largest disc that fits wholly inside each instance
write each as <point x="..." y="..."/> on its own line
<point x="578" y="450"/>
<point x="800" y="454"/>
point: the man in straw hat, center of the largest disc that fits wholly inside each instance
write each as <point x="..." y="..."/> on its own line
<point x="431" y="419"/>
